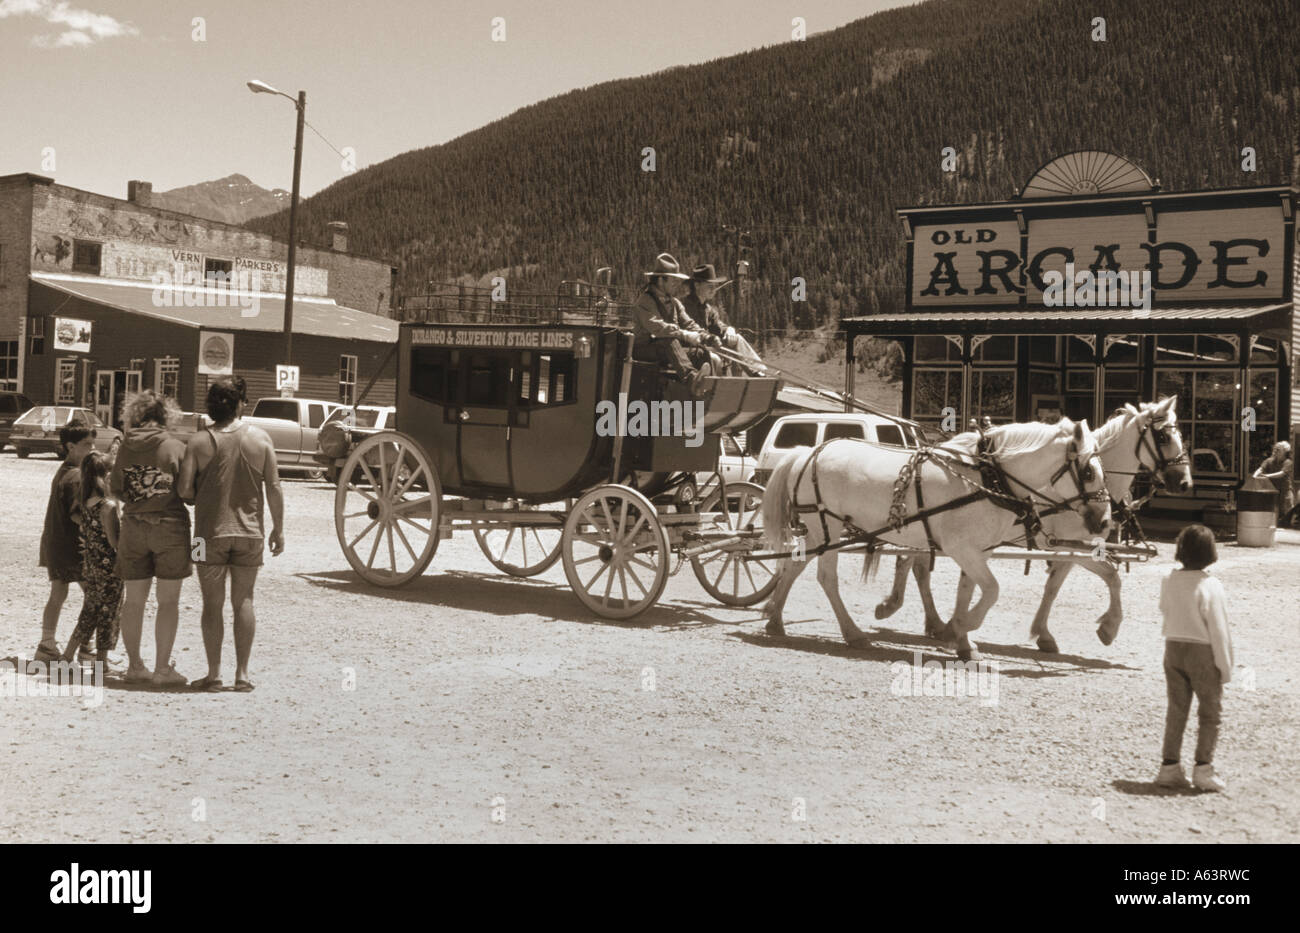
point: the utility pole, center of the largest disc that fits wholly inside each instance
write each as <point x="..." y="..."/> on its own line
<point x="739" y="270"/>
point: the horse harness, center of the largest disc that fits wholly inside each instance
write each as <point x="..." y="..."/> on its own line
<point x="995" y="487"/>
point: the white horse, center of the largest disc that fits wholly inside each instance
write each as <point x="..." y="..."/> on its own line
<point x="1130" y="442"/>
<point x="850" y="485"/>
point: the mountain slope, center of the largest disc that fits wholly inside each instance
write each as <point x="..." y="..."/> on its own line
<point x="812" y="145"/>
<point x="233" y="199"/>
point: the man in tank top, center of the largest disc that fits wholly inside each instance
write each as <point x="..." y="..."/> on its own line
<point x="228" y="473"/>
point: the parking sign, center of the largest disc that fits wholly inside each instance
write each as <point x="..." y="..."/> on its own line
<point x="286" y="377"/>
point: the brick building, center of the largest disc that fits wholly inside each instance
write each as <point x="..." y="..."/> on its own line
<point x="99" y="296"/>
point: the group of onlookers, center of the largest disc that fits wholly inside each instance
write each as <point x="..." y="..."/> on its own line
<point x="227" y="471"/>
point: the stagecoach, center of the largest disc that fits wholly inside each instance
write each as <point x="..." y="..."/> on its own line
<point x="530" y="425"/>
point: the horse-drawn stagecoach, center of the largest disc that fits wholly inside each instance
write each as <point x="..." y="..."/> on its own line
<point x="500" y="431"/>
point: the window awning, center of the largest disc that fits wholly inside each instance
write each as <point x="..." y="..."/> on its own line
<point x="1267" y="320"/>
<point x="217" y="309"/>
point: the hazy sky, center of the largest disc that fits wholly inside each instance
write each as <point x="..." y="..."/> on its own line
<point x="120" y="89"/>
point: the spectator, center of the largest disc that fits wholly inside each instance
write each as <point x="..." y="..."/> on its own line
<point x="1198" y="657"/>
<point x="102" y="585"/>
<point x="60" y="550"/>
<point x="227" y="468"/>
<point x="155" y="538"/>
<point x="1278" y="469"/>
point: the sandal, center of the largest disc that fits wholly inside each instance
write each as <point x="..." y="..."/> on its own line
<point x="242" y="686"/>
<point x="209" y="684"/>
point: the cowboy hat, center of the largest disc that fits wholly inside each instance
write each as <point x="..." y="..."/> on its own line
<point x="665" y="264"/>
<point x="705" y="273"/>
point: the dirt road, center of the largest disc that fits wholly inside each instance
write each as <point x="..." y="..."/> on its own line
<point x="473" y="707"/>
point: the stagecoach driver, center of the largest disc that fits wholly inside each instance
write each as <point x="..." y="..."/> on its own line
<point x="664" y="332"/>
<point x="698" y="303"/>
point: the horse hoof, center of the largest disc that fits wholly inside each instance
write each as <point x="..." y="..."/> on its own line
<point x="775" y="629"/>
<point x="1105" y="635"/>
<point x="934" y="631"/>
<point x="884" y="610"/>
<point x="1048" y="645"/>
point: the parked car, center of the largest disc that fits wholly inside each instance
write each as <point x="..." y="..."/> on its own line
<point x="37" y="430"/>
<point x="735" y="462"/>
<point x="294" y="426"/>
<point x="794" y="433"/>
<point x="343" y="428"/>
<point x="12" y="404"/>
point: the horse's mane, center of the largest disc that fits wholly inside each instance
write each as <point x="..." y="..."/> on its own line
<point x="1113" y="429"/>
<point x="1014" y="440"/>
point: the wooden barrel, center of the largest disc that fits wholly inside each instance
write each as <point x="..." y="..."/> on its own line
<point x="1257" y="513"/>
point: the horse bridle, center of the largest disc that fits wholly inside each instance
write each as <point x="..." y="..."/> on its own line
<point x="1156" y="448"/>
<point x="1082" y="475"/>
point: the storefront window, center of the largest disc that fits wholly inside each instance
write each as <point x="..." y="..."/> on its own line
<point x="167" y="377"/>
<point x="1078" y="350"/>
<point x="9" y="365"/>
<point x="1044" y="350"/>
<point x="67" y="387"/>
<point x="933" y="390"/>
<point x="1207" y="408"/>
<point x="993" y="394"/>
<point x="1188" y="348"/>
<point x="931" y="348"/>
<point x="997" y="349"/>
<point x="1044" y="382"/>
<point x="1262" y="401"/>
<point x="1123" y="350"/>
<point x="1264" y="350"/>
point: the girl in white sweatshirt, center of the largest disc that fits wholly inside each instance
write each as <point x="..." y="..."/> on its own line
<point x="1198" y="657"/>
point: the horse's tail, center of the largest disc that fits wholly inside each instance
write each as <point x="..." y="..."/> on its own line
<point x="870" y="564"/>
<point x="778" y="499"/>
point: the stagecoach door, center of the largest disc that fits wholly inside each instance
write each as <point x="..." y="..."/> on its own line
<point x="483" y="446"/>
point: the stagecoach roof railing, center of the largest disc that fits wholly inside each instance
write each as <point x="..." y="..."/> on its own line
<point x="574" y="302"/>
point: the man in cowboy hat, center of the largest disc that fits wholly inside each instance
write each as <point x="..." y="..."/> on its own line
<point x="665" y="333"/>
<point x="702" y="287"/>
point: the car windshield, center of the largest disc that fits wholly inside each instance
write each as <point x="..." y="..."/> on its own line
<point x="43" y="414"/>
<point x="366" y="417"/>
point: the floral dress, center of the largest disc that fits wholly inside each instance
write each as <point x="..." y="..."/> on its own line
<point x="103" y="599"/>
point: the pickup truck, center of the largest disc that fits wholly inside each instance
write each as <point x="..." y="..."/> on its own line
<point x="345" y="427"/>
<point x="293" y="424"/>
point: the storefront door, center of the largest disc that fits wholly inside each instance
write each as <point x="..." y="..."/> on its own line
<point x="111" y="387"/>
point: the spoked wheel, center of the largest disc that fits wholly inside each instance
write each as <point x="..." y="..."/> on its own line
<point x="387" y="525"/>
<point x="615" y="552"/>
<point x="522" y="551"/>
<point x="724" y="573"/>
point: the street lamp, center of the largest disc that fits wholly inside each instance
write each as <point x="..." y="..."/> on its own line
<point x="261" y="87"/>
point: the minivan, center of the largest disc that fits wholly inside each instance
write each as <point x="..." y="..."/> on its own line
<point x="794" y="433"/>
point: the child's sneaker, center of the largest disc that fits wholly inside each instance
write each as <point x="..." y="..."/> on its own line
<point x="1204" y="778"/>
<point x="169" y="677"/>
<point x="1171" y="776"/>
<point x="138" y="675"/>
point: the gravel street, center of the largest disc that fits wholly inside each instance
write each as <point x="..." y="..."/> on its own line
<point x="470" y="706"/>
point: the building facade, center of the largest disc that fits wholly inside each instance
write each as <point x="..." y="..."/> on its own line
<point x="1091" y="289"/>
<point x="100" y="296"/>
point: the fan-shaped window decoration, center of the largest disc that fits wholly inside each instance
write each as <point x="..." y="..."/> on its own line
<point x="1088" y="172"/>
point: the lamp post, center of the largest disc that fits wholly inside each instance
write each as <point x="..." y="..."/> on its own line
<point x="261" y="87"/>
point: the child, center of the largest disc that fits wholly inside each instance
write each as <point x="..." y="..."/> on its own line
<point x="99" y="532"/>
<point x="1198" y="657"/>
<point x="60" y="551"/>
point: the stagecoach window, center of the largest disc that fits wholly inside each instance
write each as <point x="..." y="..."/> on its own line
<point x="545" y="379"/>
<point x="489" y="379"/>
<point x="430" y="371"/>
<point x="844" y="429"/>
<point x="796" y="434"/>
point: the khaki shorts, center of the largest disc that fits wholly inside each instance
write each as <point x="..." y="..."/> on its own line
<point x="153" y="547"/>
<point x="233" y="552"/>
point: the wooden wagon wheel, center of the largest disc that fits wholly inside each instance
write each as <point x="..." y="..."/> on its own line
<point x="615" y="552"/>
<point x="387" y="526"/>
<point x="522" y="550"/>
<point x="724" y="573"/>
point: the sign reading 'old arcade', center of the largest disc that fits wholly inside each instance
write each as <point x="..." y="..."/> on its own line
<point x="1220" y="253"/>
